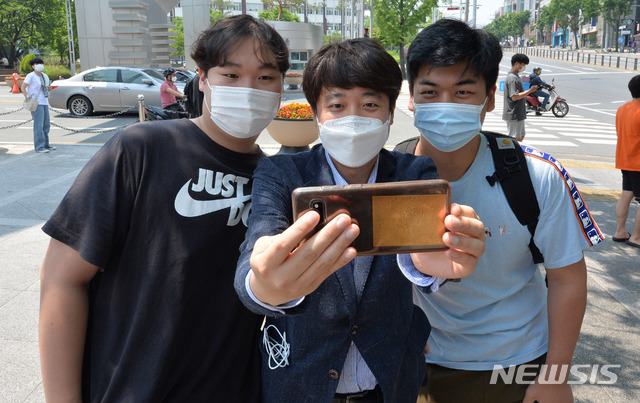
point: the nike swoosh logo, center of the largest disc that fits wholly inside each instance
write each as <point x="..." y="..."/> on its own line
<point x="187" y="206"/>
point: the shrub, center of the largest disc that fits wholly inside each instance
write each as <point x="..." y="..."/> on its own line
<point x="56" y="71"/>
<point x="24" y="64"/>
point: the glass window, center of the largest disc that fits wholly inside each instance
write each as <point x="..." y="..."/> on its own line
<point x="295" y="56"/>
<point x="303" y="56"/>
<point x="132" y="77"/>
<point x="106" y="75"/>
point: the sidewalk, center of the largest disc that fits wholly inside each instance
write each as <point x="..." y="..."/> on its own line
<point x="32" y="185"/>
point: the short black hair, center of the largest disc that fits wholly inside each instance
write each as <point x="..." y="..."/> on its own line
<point x="36" y="60"/>
<point x="216" y="43"/>
<point x="519" y="58"/>
<point x="634" y="86"/>
<point x="448" y="42"/>
<point x="360" y="62"/>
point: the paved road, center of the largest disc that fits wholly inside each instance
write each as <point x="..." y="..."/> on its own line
<point x="31" y="185"/>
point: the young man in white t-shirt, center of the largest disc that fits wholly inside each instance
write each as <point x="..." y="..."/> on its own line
<point x="36" y="85"/>
<point x="497" y="315"/>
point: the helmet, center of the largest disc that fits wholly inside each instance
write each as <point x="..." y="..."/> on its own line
<point x="168" y="72"/>
<point x="537" y="70"/>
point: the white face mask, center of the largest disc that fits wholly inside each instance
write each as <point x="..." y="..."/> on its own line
<point x="242" y="112"/>
<point x="448" y="126"/>
<point x="38" y="67"/>
<point x="353" y="140"/>
<point x="523" y="68"/>
<point x="174" y="79"/>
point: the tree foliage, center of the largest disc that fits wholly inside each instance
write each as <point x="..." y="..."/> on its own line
<point x="276" y="15"/>
<point x="615" y="12"/>
<point x="510" y="24"/>
<point x="399" y="21"/>
<point x="179" y="37"/>
<point x="278" y="9"/>
<point x="19" y="22"/>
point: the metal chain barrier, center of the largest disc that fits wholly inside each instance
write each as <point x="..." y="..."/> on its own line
<point x="64" y="114"/>
<point x="10" y="112"/>
<point x="92" y="131"/>
<point x="16" y="125"/>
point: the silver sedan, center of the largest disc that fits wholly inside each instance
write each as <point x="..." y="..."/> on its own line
<point x="107" y="89"/>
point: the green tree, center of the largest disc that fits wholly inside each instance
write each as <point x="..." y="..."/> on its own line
<point x="545" y="24"/>
<point x="179" y="36"/>
<point x="52" y="31"/>
<point x="277" y="15"/>
<point x="280" y="6"/>
<point x="399" y="22"/>
<point x="215" y="15"/>
<point x="220" y="5"/>
<point x="568" y="14"/>
<point x="19" y="22"/>
<point x="509" y="25"/>
<point x="615" y="12"/>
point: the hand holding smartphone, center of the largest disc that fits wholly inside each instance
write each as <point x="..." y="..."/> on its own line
<point x="394" y="217"/>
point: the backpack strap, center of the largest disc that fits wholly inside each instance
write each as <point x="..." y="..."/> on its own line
<point x="407" y="146"/>
<point x="513" y="175"/>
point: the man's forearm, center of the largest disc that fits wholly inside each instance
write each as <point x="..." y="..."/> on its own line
<point x="63" y="328"/>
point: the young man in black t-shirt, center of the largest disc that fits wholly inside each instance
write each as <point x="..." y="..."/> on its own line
<point x="137" y="298"/>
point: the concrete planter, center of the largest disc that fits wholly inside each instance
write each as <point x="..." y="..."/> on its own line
<point x="9" y="81"/>
<point x="293" y="132"/>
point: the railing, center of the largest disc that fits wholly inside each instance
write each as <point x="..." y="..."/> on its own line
<point x="139" y="106"/>
<point x="578" y="56"/>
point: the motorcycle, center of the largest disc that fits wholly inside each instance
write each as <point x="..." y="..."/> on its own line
<point x="156" y="113"/>
<point x="556" y="104"/>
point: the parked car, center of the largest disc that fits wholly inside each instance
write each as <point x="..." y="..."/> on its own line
<point x="182" y="76"/>
<point x="107" y="89"/>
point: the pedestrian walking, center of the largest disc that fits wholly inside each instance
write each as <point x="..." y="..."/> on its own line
<point x="36" y="86"/>
<point x="515" y="108"/>
<point x="628" y="161"/>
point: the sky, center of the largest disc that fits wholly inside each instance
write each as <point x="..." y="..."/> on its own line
<point x="485" y="14"/>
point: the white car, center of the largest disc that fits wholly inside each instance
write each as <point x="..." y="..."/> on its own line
<point x="107" y="89"/>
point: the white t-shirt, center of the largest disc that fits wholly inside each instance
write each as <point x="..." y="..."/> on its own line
<point x="34" y="83"/>
<point x="498" y="314"/>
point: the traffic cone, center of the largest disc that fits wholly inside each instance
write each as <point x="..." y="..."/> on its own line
<point x="15" y="90"/>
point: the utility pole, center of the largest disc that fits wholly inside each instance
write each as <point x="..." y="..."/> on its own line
<point x="466" y="11"/>
<point x="72" y="52"/>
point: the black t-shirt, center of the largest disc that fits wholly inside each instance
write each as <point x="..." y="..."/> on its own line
<point x="162" y="210"/>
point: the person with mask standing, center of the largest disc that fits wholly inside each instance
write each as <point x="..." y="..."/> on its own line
<point x="502" y="314"/>
<point x="137" y="298"/>
<point x="169" y="91"/>
<point x="36" y="85"/>
<point x="515" y="108"/>
<point x="342" y="327"/>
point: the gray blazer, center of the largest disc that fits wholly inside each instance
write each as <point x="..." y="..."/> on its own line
<point x="367" y="302"/>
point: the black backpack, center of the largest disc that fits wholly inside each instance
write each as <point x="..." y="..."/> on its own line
<point x="513" y="174"/>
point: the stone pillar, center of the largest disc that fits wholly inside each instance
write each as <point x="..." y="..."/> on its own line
<point x="195" y="14"/>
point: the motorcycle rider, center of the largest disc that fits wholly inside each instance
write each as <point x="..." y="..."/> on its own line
<point x="169" y="91"/>
<point x="534" y="79"/>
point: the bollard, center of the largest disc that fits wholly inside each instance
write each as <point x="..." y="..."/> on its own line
<point x="588" y="58"/>
<point x="635" y="64"/>
<point x="15" y="89"/>
<point x="141" y="108"/>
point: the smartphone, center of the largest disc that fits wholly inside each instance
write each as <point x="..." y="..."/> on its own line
<point x="394" y="217"/>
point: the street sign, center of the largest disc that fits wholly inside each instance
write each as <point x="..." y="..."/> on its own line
<point x="621" y="39"/>
<point x="625" y="32"/>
